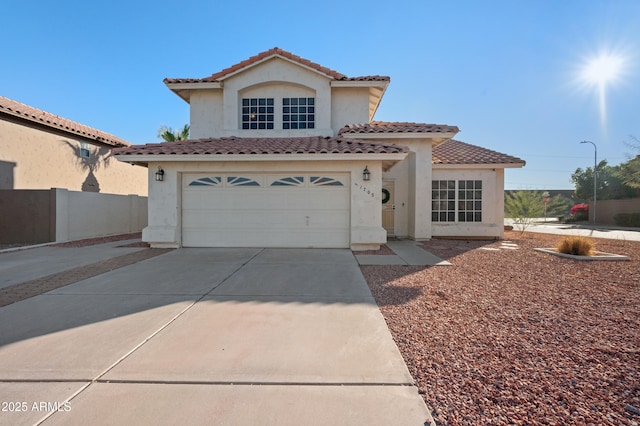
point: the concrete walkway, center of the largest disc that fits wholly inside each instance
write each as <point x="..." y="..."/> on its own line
<point x="406" y="252"/>
<point x="582" y="229"/>
<point x="208" y="336"/>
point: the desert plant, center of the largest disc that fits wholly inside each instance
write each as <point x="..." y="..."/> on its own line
<point x="524" y="207"/>
<point x="576" y="245"/>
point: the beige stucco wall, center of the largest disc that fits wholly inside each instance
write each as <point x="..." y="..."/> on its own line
<point x="349" y="105"/>
<point x="608" y="209"/>
<point x="492" y="225"/>
<point x="31" y="158"/>
<point x="164" y="225"/>
<point x="206" y="114"/>
<point x="217" y="112"/>
<point x="82" y="215"/>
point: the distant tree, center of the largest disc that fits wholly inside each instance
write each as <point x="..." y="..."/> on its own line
<point x="610" y="184"/>
<point x="558" y="205"/>
<point x="629" y="172"/>
<point x="523" y="207"/>
<point x="169" y="135"/>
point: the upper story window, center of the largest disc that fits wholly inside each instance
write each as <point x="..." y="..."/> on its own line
<point x="84" y="150"/>
<point x="298" y="113"/>
<point x="257" y="113"/>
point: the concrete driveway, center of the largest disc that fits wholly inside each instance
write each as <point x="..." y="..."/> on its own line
<point x="207" y="336"/>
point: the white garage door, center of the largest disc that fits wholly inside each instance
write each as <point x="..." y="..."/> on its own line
<point x="265" y="210"/>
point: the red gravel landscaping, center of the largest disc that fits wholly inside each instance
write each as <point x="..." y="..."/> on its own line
<point x="514" y="336"/>
<point x="100" y="240"/>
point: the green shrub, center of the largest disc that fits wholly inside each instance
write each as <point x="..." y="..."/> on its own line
<point x="627" y="219"/>
<point x="580" y="246"/>
<point x="581" y="216"/>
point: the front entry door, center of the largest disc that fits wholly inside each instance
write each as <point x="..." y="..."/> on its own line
<point x="388" y="207"/>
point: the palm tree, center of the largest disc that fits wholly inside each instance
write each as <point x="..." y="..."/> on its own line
<point x="169" y="135"/>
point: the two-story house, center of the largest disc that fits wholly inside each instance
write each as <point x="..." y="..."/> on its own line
<point x="285" y="153"/>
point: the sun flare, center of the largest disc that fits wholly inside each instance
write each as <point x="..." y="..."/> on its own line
<point x="603" y="69"/>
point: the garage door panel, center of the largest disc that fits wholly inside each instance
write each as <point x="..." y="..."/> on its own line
<point x="269" y="200"/>
<point x="306" y="212"/>
<point x="258" y="237"/>
<point x="277" y="219"/>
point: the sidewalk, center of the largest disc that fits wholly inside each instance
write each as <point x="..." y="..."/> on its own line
<point x="582" y="229"/>
<point x="406" y="252"/>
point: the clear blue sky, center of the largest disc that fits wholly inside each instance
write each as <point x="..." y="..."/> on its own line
<point x="505" y="72"/>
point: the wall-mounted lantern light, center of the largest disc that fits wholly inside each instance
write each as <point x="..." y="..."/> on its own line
<point x="159" y="175"/>
<point x="366" y="174"/>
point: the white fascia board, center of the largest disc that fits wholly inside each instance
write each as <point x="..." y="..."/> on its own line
<point x="408" y="135"/>
<point x="360" y="83"/>
<point x="477" y="166"/>
<point x="259" y="157"/>
<point x="192" y="86"/>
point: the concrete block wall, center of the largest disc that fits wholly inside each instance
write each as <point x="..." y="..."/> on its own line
<point x="59" y="215"/>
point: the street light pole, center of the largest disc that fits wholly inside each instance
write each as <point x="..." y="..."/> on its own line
<point x="595" y="175"/>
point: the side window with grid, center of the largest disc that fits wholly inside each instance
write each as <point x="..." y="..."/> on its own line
<point x="443" y="201"/>
<point x="470" y="201"/>
<point x="456" y="201"/>
<point x="257" y="113"/>
<point x="298" y="113"/>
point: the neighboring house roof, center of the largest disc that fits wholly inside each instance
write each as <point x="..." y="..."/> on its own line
<point x="263" y="56"/>
<point x="396" y="127"/>
<point x="25" y="112"/>
<point x="457" y="152"/>
<point x="261" y="146"/>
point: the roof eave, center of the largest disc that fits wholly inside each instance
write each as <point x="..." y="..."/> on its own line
<point x="60" y="129"/>
<point x="479" y="166"/>
<point x="184" y="89"/>
<point x="437" y="137"/>
<point x="149" y="158"/>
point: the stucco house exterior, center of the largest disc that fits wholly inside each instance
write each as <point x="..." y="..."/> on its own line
<point x="41" y="150"/>
<point x="286" y="153"/>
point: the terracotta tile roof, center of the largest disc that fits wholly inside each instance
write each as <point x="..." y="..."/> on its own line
<point x="276" y="51"/>
<point x="367" y="78"/>
<point x="456" y="152"/>
<point x="256" y="146"/>
<point x="17" y="109"/>
<point x="397" y="127"/>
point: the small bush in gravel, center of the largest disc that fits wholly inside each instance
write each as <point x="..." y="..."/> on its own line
<point x="580" y="246"/>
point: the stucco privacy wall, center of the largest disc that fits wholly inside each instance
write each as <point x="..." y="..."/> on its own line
<point x="82" y="215"/>
<point x="26" y="216"/>
<point x="41" y="159"/>
<point x="41" y="216"/>
<point x="492" y="225"/>
<point x="164" y="229"/>
<point x="608" y="209"/>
